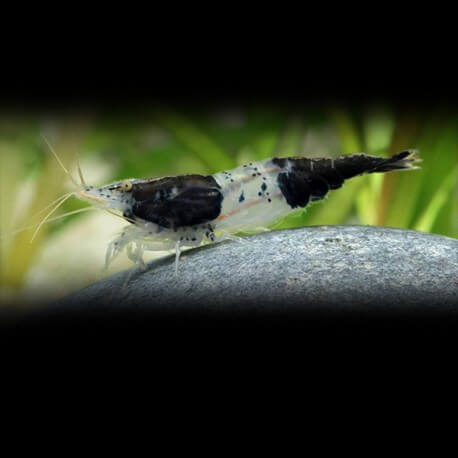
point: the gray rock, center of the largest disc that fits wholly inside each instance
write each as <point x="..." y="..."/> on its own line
<point x="307" y="269"/>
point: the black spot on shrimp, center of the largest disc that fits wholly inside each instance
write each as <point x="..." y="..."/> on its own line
<point x="302" y="183"/>
<point x="174" y="202"/>
<point x="242" y="197"/>
<point x="280" y="161"/>
<point x="294" y="188"/>
<point x="324" y="168"/>
<point x="318" y="187"/>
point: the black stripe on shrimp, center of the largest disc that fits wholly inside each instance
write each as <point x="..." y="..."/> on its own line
<point x="307" y="180"/>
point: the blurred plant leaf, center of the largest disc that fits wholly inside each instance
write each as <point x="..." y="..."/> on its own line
<point x="195" y="140"/>
<point x="426" y="220"/>
<point x="399" y="190"/>
<point x="378" y="127"/>
<point x="446" y="222"/>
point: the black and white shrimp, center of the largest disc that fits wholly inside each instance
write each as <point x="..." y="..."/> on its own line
<point x="175" y="212"/>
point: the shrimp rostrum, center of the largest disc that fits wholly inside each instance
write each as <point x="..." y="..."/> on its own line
<point x="189" y="210"/>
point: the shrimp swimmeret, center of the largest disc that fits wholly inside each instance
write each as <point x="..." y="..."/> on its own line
<point x="189" y="210"/>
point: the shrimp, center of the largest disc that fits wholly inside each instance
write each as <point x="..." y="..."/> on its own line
<point x="176" y="212"/>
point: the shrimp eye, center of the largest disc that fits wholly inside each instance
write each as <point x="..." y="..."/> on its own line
<point x="127" y="185"/>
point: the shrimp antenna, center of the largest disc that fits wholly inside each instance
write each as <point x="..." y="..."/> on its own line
<point x="80" y="172"/>
<point x="48" y="215"/>
<point x="38" y="213"/>
<point x="58" y="160"/>
<point x="51" y="204"/>
<point x="50" y="220"/>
